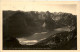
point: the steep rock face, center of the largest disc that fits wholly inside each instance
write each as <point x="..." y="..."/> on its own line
<point x="59" y="20"/>
<point x="64" y="19"/>
<point x="16" y="24"/>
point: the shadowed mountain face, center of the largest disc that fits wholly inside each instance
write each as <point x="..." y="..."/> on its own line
<point x="15" y="24"/>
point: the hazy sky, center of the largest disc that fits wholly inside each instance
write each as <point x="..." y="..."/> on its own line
<point x="39" y="6"/>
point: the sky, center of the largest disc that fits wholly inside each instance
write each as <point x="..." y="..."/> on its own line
<point x="39" y="6"/>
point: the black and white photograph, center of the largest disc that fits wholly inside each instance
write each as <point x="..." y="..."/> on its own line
<point x="39" y="26"/>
